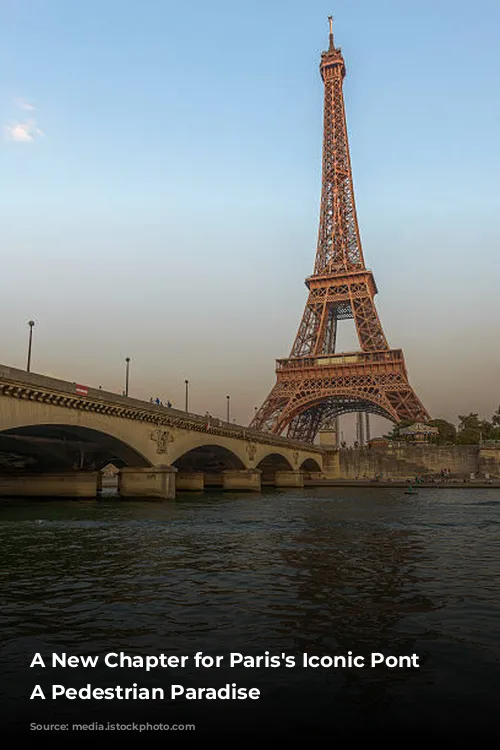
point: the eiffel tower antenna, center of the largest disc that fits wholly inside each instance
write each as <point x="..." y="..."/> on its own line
<point x="330" y="23"/>
<point x="315" y="384"/>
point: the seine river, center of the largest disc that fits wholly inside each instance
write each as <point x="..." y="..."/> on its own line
<point x="321" y="572"/>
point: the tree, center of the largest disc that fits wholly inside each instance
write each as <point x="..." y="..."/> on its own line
<point x="468" y="436"/>
<point x="486" y="429"/>
<point x="394" y="434"/>
<point x="447" y="431"/>
<point x="469" y="429"/>
<point x="495" y="425"/>
<point x="468" y="421"/>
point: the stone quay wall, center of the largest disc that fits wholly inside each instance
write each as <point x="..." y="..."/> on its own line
<point x="402" y="461"/>
<point x="489" y="460"/>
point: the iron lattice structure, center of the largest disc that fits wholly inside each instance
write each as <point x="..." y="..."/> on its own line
<point x="314" y="385"/>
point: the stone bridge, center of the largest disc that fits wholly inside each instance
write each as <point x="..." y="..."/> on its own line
<point x="56" y="436"/>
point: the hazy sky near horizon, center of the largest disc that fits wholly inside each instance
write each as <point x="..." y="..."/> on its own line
<point x="160" y="167"/>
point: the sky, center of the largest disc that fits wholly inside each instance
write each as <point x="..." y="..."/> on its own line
<point x="160" y="168"/>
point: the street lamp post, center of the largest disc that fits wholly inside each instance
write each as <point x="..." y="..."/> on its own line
<point x="186" y="383"/>
<point x="228" y="399"/>
<point x="31" y="323"/>
<point x="127" y="369"/>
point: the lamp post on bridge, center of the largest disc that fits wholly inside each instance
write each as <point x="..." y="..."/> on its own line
<point x="127" y="369"/>
<point x="186" y="383"/>
<point x="31" y="323"/>
<point x="228" y="400"/>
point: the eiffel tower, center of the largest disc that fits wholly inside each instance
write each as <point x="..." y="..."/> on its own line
<point x="315" y="384"/>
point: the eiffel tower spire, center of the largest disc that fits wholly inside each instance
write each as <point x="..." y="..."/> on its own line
<point x="315" y="384"/>
<point x="330" y="23"/>
<point x="339" y="242"/>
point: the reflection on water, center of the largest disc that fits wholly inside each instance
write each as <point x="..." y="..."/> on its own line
<point x="320" y="571"/>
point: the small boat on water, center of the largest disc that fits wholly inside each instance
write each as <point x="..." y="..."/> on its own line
<point x="411" y="491"/>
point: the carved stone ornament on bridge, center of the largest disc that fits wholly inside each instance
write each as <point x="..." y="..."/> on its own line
<point x="162" y="438"/>
<point x="251" y="450"/>
<point x="296" y="458"/>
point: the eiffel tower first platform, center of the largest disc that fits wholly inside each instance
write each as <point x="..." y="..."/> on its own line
<point x="315" y="385"/>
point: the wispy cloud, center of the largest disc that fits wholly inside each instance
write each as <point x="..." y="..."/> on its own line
<point x="26" y="130"/>
<point x="23" y="104"/>
<point x="23" y="132"/>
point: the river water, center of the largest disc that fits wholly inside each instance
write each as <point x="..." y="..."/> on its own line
<point x="322" y="571"/>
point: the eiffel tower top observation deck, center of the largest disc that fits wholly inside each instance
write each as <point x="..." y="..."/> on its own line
<point x="315" y="384"/>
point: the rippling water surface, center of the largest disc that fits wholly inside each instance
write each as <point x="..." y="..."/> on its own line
<point x="320" y="571"/>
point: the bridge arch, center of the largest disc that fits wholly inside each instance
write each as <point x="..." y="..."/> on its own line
<point x="59" y="446"/>
<point x="189" y="441"/>
<point x="310" y="465"/>
<point x="272" y="463"/>
<point x="210" y="459"/>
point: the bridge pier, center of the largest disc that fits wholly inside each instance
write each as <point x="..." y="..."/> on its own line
<point x="212" y="480"/>
<point x="154" y="481"/>
<point x="192" y="480"/>
<point x="242" y="479"/>
<point x="63" y="484"/>
<point x="289" y="479"/>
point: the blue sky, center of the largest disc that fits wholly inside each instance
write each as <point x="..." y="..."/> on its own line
<point x="160" y="175"/>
